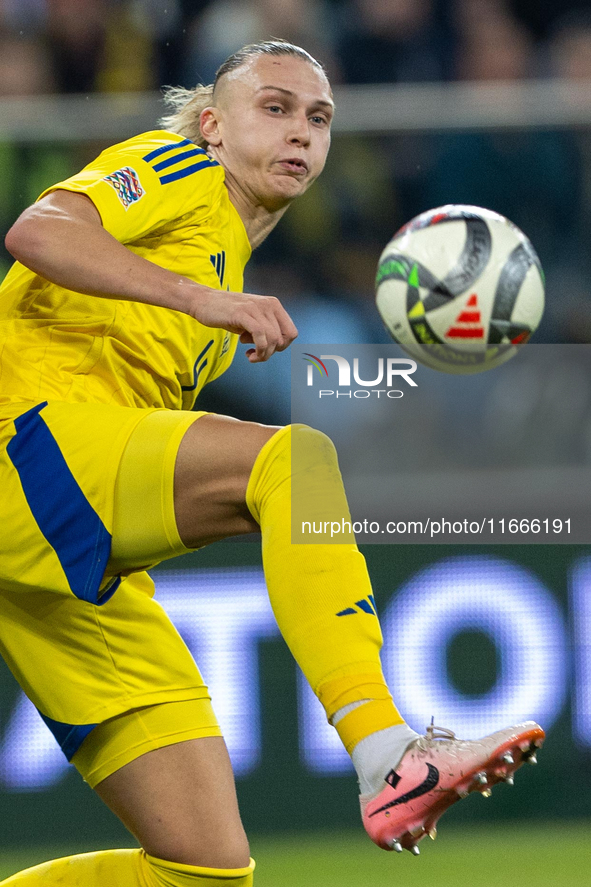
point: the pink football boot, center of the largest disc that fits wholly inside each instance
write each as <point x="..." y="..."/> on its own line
<point x="435" y="772"/>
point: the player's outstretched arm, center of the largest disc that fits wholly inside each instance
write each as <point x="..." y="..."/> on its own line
<point x="62" y="239"/>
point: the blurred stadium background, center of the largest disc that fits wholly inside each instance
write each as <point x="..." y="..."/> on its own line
<point x="466" y="101"/>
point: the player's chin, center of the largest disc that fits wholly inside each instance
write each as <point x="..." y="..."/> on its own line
<point x="286" y="188"/>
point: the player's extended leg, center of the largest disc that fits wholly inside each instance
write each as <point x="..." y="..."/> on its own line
<point x="318" y="593"/>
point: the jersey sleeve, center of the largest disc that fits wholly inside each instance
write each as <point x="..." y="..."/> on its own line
<point x="143" y="184"/>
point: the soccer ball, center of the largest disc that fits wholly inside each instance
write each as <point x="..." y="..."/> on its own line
<point x="460" y="288"/>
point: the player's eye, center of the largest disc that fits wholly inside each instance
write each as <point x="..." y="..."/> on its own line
<point x="275" y="109"/>
<point x="319" y="120"/>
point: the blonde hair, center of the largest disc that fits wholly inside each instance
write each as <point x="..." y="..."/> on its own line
<point x="186" y="105"/>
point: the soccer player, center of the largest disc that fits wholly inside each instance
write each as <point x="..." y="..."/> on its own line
<point x="126" y="299"/>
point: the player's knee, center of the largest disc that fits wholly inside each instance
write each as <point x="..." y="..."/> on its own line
<point x="298" y="448"/>
<point x="297" y="453"/>
<point x="312" y="447"/>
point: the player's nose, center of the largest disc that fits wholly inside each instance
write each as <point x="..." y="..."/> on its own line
<point x="299" y="131"/>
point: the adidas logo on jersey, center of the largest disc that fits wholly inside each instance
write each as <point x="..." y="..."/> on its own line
<point x="219" y="263"/>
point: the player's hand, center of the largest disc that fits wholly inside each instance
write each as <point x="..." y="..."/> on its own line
<point x="259" y="320"/>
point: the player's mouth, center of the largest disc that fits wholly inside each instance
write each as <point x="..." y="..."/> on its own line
<point x="295" y="165"/>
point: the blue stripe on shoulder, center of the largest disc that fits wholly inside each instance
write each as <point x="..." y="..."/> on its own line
<point x="69" y="737"/>
<point x="163" y="150"/>
<point x="187" y="171"/>
<point x="63" y="513"/>
<point x="184" y="155"/>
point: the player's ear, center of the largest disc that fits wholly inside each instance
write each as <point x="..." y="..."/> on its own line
<point x="209" y="124"/>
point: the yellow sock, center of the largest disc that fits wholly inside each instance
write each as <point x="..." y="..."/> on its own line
<point x="309" y="585"/>
<point x="127" y="868"/>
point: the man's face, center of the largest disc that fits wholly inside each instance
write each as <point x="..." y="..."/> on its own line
<point x="274" y="115"/>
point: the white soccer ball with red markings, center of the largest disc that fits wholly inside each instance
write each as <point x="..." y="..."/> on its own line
<point x="460" y="288"/>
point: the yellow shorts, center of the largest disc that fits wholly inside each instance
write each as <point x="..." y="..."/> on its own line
<point x="87" y="504"/>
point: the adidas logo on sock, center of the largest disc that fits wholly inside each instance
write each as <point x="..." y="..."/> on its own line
<point x="366" y="605"/>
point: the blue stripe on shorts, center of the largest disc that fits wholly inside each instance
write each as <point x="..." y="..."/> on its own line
<point x="63" y="513"/>
<point x="69" y="737"/>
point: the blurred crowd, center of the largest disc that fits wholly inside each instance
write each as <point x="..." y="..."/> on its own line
<point x="88" y="45"/>
<point x="321" y="260"/>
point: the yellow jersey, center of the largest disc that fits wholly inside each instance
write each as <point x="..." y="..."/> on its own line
<point x="166" y="200"/>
